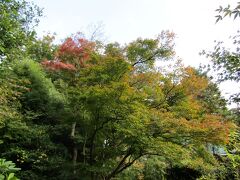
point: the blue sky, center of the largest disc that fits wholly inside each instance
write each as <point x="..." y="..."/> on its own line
<point x="193" y="22"/>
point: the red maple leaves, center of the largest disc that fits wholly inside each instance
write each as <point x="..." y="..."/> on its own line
<point x="71" y="55"/>
<point x="57" y="65"/>
<point x="77" y="48"/>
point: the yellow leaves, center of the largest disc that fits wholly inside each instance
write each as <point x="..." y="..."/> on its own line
<point x="180" y="117"/>
<point x="193" y="83"/>
<point x="138" y="165"/>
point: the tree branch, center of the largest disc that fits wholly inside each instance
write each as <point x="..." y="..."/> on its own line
<point x="115" y="171"/>
<point x="165" y="98"/>
<point x="140" y="61"/>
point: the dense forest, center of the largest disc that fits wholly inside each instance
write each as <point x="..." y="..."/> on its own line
<point x="84" y="109"/>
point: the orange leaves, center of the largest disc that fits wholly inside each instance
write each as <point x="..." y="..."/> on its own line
<point x="215" y="125"/>
<point x="211" y="129"/>
<point x="193" y="82"/>
<point x="207" y="129"/>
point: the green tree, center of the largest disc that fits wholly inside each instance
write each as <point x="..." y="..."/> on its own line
<point x="30" y="108"/>
<point x="42" y="49"/>
<point x="17" y="19"/>
<point x="226" y="63"/>
<point x="120" y="109"/>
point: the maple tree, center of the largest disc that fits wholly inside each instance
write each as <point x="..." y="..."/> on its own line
<point x="103" y="114"/>
<point x="116" y="113"/>
<point x="75" y="50"/>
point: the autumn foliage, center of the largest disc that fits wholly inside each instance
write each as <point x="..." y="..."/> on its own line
<point x="75" y="49"/>
<point x="94" y="111"/>
<point x="57" y="65"/>
<point x="71" y="55"/>
<point x="112" y="110"/>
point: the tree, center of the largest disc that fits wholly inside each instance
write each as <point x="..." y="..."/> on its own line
<point x="226" y="63"/>
<point x="17" y="17"/>
<point x="41" y="49"/>
<point x="143" y="53"/>
<point x="120" y="109"/>
<point x="225" y="60"/>
<point x="30" y="108"/>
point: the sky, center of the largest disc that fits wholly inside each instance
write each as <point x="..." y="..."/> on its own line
<point x="193" y="22"/>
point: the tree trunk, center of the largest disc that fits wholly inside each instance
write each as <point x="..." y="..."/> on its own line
<point x="75" y="152"/>
<point x="73" y="129"/>
<point x="84" y="149"/>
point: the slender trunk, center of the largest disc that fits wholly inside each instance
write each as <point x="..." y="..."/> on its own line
<point x="91" y="151"/>
<point x="92" y="146"/>
<point x="75" y="152"/>
<point x="73" y="129"/>
<point x="84" y="149"/>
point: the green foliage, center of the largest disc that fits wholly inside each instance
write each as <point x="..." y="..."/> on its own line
<point x="41" y="49"/>
<point x="16" y="21"/>
<point x="101" y="113"/>
<point x="155" y="168"/>
<point x="228" y="11"/>
<point x="6" y="170"/>
<point x="10" y="118"/>
<point x="233" y="153"/>
<point x="117" y="115"/>
<point x="25" y="139"/>
<point x="215" y="103"/>
<point x="42" y="94"/>
<point x="143" y="53"/>
<point x="226" y="63"/>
